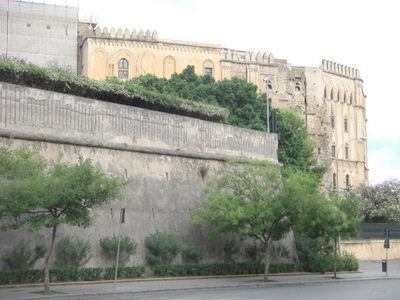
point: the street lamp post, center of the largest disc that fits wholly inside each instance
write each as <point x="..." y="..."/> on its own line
<point x="337" y="159"/>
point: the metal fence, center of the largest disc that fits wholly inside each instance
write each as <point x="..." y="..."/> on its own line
<point x="376" y="231"/>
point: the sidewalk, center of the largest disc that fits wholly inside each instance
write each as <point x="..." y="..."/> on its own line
<point x="371" y="270"/>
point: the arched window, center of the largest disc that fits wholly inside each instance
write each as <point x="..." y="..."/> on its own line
<point x="338" y="96"/>
<point x="208" y="66"/>
<point x="346" y="152"/>
<point x="347" y="180"/>
<point x="346" y="124"/>
<point x="345" y="97"/>
<point x="332" y="97"/>
<point x="332" y="122"/>
<point x="333" y="151"/>
<point x="123" y="68"/>
<point x="324" y="93"/>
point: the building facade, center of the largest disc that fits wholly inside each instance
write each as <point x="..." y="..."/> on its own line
<point x="330" y="97"/>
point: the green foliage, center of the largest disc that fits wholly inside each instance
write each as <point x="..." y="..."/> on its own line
<point x="381" y="202"/>
<point x="72" y="252"/>
<point x="124" y="272"/>
<point x="246" y="107"/>
<point x="109" y="248"/>
<point x="222" y="269"/>
<point x="162" y="248"/>
<point x="20" y="276"/>
<point x="23" y="257"/>
<point x="295" y="146"/>
<point x="253" y="199"/>
<point x="65" y="275"/>
<point x="191" y="255"/>
<point x="48" y="196"/>
<point x="109" y="90"/>
<point x="204" y="171"/>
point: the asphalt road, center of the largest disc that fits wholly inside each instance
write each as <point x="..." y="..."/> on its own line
<point x="365" y="290"/>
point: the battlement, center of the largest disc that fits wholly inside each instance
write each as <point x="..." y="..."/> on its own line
<point x="332" y="67"/>
<point x="91" y="30"/>
<point x="246" y="56"/>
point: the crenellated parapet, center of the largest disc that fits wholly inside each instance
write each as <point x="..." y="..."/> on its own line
<point x="332" y="67"/>
<point x="246" y="56"/>
<point x="122" y="34"/>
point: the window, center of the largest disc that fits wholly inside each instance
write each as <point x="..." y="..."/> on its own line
<point x="332" y="94"/>
<point x="208" y="71"/>
<point x="333" y="151"/>
<point x="346" y="152"/>
<point x="332" y="122"/>
<point x="123" y="68"/>
<point x="325" y="93"/>
<point x="346" y="127"/>
<point x="334" y="181"/>
<point x="347" y="180"/>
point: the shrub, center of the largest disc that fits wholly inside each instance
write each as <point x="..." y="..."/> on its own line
<point x="348" y="262"/>
<point x="161" y="248"/>
<point x="23" y="257"/>
<point x="72" y="252"/>
<point x="222" y="269"/>
<point x="191" y="255"/>
<point x="109" y="248"/>
<point x="124" y="272"/>
<point x="57" y="81"/>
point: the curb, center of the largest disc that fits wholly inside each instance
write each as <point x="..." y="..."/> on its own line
<point x="251" y="285"/>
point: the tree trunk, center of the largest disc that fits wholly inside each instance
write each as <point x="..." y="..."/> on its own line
<point x="266" y="269"/>
<point x="335" y="259"/>
<point x="48" y="261"/>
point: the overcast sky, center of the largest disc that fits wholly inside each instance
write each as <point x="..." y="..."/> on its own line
<point x="362" y="34"/>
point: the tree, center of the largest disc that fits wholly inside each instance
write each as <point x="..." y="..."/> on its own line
<point x="255" y="200"/>
<point x="381" y="202"/>
<point x="37" y="195"/>
<point x="333" y="218"/>
<point x="295" y="146"/>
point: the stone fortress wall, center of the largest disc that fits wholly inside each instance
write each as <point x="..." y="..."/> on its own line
<point x="161" y="154"/>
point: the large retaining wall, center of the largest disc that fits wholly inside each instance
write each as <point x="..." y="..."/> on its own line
<point x="161" y="155"/>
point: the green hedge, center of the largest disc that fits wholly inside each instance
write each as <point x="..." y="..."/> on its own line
<point x="324" y="263"/>
<point x="33" y="76"/>
<point x="222" y="269"/>
<point x="85" y="274"/>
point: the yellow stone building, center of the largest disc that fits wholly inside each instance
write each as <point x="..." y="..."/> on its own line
<point x="330" y="97"/>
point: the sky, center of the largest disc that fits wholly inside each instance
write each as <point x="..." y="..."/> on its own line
<point x="361" y="34"/>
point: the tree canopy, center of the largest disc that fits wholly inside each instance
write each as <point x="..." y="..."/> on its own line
<point x="38" y="195"/>
<point x="253" y="199"/>
<point x="381" y="202"/>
